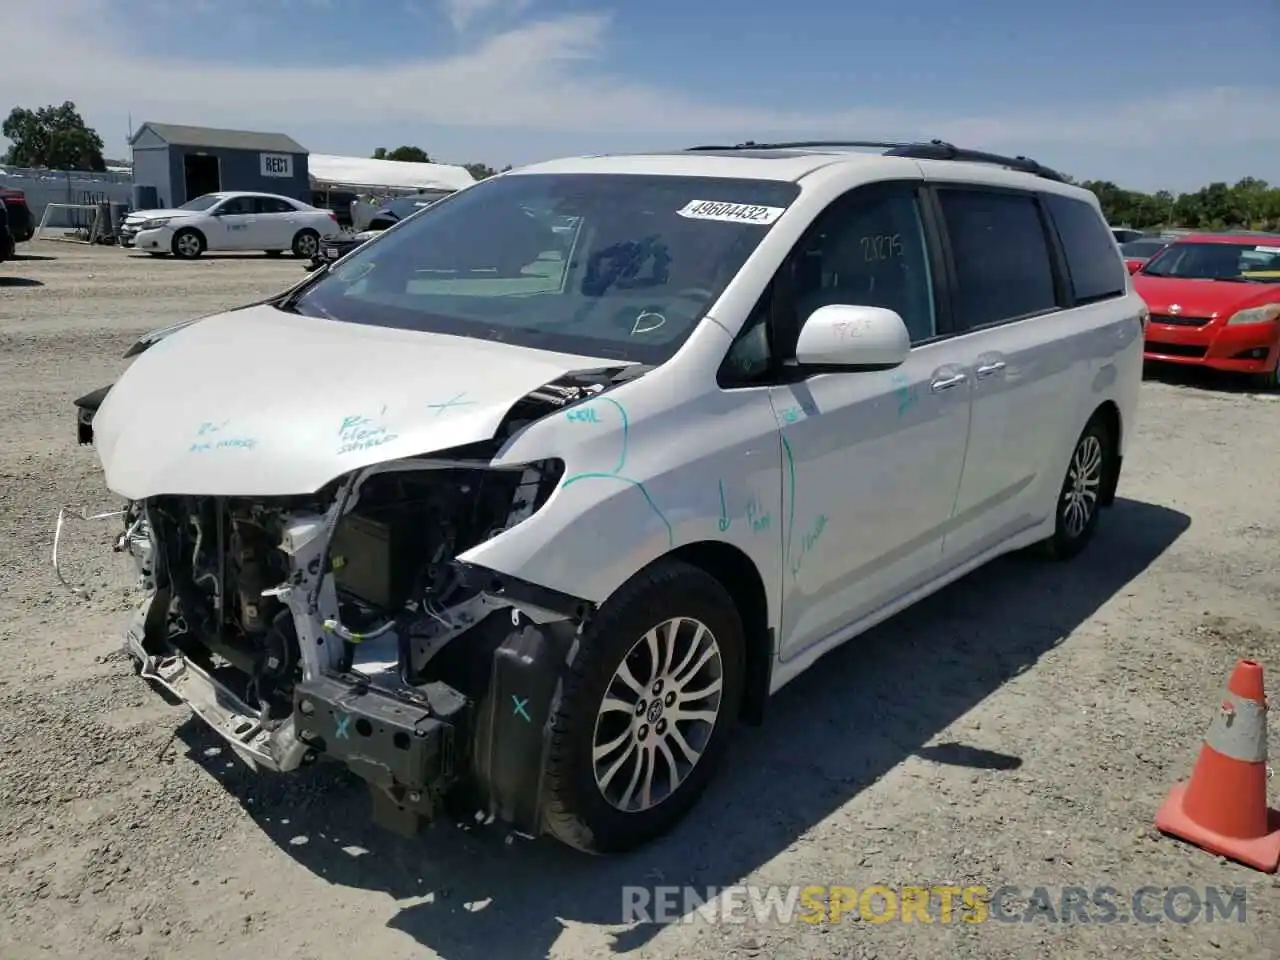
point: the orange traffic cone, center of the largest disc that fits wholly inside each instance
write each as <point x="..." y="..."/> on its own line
<point x="1223" y="807"/>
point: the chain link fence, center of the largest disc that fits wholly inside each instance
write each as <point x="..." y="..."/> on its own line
<point x="67" y="186"/>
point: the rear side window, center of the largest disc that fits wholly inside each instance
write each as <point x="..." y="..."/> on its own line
<point x="1001" y="256"/>
<point x="273" y="205"/>
<point x="1097" y="273"/>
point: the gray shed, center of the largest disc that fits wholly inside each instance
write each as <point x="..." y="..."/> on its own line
<point x="173" y="164"/>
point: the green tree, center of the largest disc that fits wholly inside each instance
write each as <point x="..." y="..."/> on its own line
<point x="404" y="154"/>
<point x="1250" y="204"/>
<point x="482" y="171"/>
<point x="52" y="137"/>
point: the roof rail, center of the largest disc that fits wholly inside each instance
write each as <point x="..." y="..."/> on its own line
<point x="932" y="150"/>
<point x="806" y="145"/>
<point x="941" y="150"/>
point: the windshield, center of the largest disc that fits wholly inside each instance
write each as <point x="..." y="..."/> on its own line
<point x="201" y="203"/>
<point x="1143" y="248"/>
<point x="1214" y="261"/>
<point x="606" y="265"/>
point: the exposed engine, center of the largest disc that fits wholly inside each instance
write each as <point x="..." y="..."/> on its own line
<point x="391" y="556"/>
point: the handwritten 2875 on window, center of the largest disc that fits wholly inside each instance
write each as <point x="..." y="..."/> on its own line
<point x="883" y="246"/>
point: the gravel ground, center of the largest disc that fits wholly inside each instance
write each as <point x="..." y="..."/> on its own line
<point x="1020" y="728"/>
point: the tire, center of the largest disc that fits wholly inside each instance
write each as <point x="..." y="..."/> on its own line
<point x="188" y="243"/>
<point x="273" y="253"/>
<point x="306" y="244"/>
<point x="578" y="811"/>
<point x="1094" y="460"/>
<point x="1270" y="381"/>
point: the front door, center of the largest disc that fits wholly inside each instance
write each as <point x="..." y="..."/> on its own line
<point x="234" y="223"/>
<point x="871" y="460"/>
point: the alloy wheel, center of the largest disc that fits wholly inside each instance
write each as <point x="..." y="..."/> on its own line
<point x="1084" y="482"/>
<point x="657" y="714"/>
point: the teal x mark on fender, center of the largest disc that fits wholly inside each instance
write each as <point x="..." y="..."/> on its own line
<point x="521" y="703"/>
<point x="341" y="732"/>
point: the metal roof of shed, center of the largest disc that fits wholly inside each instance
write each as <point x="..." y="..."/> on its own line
<point x="213" y="138"/>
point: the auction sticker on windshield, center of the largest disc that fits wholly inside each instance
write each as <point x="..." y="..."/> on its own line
<point x="730" y="212"/>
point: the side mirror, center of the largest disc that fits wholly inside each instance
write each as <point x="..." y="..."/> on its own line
<point x="1134" y="265"/>
<point x="844" y="335"/>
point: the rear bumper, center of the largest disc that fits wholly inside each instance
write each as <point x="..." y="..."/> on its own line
<point x="1251" y="348"/>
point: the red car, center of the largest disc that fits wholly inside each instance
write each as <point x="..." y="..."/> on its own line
<point x="21" y="223"/>
<point x="1215" y="302"/>
<point x="1137" y="252"/>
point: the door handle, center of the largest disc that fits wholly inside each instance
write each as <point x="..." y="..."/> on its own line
<point x="946" y="383"/>
<point x="990" y="369"/>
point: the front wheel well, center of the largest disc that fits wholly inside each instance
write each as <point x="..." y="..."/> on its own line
<point x="1109" y="414"/>
<point x="740" y="578"/>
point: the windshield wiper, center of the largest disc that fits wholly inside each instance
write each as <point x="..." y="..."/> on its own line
<point x="289" y="301"/>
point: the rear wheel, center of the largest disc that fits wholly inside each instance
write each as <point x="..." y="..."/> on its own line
<point x="1092" y="463"/>
<point x="306" y="243"/>
<point x="646" y="710"/>
<point x="188" y="243"/>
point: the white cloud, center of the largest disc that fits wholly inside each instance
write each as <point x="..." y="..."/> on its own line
<point x="545" y="74"/>
<point x="462" y="12"/>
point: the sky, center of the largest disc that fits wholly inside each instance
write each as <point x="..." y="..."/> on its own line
<point x="1160" y="95"/>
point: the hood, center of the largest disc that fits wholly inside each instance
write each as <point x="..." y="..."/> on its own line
<point x="138" y="216"/>
<point x="1202" y="298"/>
<point x="148" y="340"/>
<point x="260" y="402"/>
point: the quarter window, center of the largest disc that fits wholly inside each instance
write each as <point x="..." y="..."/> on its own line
<point x="1001" y="256"/>
<point x="1096" y="271"/>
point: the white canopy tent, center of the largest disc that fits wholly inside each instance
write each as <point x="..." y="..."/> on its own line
<point x="362" y="174"/>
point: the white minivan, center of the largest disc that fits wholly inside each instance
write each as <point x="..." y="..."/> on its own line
<point x="527" y="501"/>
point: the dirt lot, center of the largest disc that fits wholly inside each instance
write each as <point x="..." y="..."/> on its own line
<point x="1020" y="728"/>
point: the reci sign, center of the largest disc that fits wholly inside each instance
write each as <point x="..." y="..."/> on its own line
<point x="276" y="165"/>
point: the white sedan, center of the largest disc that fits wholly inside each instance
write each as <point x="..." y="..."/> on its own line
<point x="230" y="221"/>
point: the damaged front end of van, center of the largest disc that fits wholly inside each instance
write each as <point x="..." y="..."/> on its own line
<point x="315" y="543"/>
